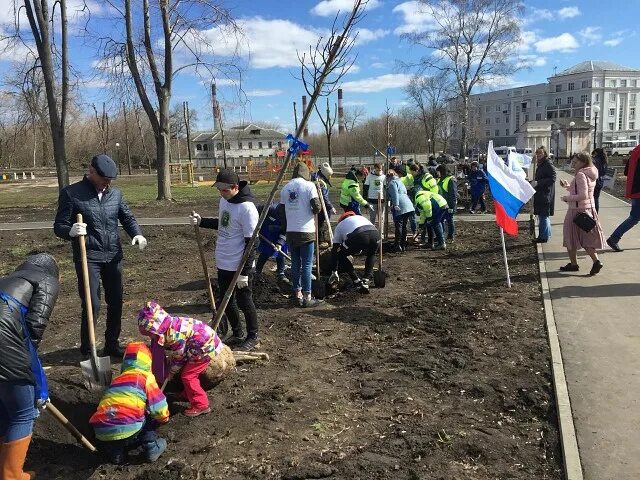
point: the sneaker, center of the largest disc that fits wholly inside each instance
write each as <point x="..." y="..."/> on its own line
<point x="440" y="246"/>
<point x="249" y="344"/>
<point x="363" y="287"/>
<point x="540" y="240"/>
<point x="234" y="341"/>
<point x="614" y="245"/>
<point x="597" y="266"/>
<point x="113" y="351"/>
<point x="569" y="267"/>
<point x="472" y="212"/>
<point x="311" y="302"/>
<point x="296" y="301"/>
<point x="154" y="449"/>
<point x="196" y="412"/>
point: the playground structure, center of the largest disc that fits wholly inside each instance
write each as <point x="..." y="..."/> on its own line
<point x="178" y="171"/>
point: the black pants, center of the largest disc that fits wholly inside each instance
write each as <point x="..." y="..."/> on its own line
<point x="240" y="298"/>
<point x="110" y="275"/>
<point x="362" y="242"/>
<point x="596" y="196"/>
<point x="400" y="223"/>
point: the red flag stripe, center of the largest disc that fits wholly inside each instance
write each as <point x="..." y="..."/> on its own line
<point x="508" y="224"/>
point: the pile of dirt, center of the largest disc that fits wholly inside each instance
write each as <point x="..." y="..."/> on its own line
<point x="444" y="374"/>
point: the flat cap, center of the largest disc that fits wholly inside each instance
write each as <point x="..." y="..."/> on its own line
<point x="105" y="166"/>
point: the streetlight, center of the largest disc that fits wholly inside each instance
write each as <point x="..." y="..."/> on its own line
<point x="596" y="110"/>
<point x="428" y="145"/>
<point x="571" y="125"/>
<point x="118" y="158"/>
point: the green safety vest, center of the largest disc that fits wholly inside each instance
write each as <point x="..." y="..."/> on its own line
<point x="444" y="184"/>
<point x="424" y="207"/>
<point x="429" y="183"/>
<point x="350" y="190"/>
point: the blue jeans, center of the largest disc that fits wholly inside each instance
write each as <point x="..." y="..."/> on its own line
<point x="451" y="227"/>
<point x="17" y="410"/>
<point x="629" y="223"/>
<point x="145" y="437"/>
<point x="544" y="227"/>
<point x="301" y="265"/>
<point x="412" y="223"/>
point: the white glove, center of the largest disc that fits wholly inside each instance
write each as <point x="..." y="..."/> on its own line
<point x="367" y="206"/>
<point x="195" y="219"/>
<point x="395" y="208"/>
<point x="243" y="281"/>
<point x="451" y="210"/>
<point x="141" y="241"/>
<point x="334" y="278"/>
<point x="78" y="229"/>
<point x="534" y="183"/>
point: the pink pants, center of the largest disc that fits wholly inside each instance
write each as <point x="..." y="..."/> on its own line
<point x="192" y="389"/>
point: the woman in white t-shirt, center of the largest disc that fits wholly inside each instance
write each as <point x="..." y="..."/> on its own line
<point x="299" y="203"/>
<point x="374" y="186"/>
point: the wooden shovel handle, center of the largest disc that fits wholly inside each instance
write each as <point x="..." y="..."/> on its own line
<point x="380" y="228"/>
<point x="69" y="426"/>
<point x="203" y="259"/>
<point x="87" y="301"/>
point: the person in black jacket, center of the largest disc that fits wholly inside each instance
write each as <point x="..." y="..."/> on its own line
<point x="599" y="157"/>
<point x="102" y="207"/>
<point x="544" y="198"/>
<point x="27" y="297"/>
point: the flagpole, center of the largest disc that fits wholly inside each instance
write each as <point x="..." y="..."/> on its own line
<point x="504" y="254"/>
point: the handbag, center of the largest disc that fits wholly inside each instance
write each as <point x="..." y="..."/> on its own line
<point x="583" y="220"/>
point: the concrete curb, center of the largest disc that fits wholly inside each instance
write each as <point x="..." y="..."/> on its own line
<point x="570" y="451"/>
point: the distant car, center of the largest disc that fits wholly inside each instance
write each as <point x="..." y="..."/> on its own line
<point x="525" y="151"/>
<point x="503" y="152"/>
<point x="446" y="158"/>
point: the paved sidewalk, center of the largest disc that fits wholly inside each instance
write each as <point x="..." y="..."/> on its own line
<point x="598" y="322"/>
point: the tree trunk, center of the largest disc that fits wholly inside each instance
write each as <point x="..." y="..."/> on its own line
<point x="59" y="155"/>
<point x="163" y="150"/>
<point x="329" y="149"/>
<point x="465" y="120"/>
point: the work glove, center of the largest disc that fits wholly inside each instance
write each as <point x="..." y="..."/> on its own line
<point x="243" y="282"/>
<point x="395" y="208"/>
<point x="195" y="219"/>
<point x="451" y="210"/>
<point x="141" y="241"/>
<point x="334" y="278"/>
<point x="534" y="183"/>
<point x="367" y="206"/>
<point x="78" y="229"/>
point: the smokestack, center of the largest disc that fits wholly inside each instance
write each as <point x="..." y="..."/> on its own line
<point x="341" y="125"/>
<point x="214" y="102"/>
<point x="305" y="134"/>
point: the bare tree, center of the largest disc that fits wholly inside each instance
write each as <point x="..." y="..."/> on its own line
<point x="103" y="126"/>
<point x="328" y="122"/>
<point x="42" y="21"/>
<point x="473" y="41"/>
<point x="146" y="55"/>
<point x="312" y="64"/>
<point x="353" y="116"/>
<point x="429" y="95"/>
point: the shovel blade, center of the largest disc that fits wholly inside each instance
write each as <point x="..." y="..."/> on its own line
<point x="319" y="289"/>
<point x="379" y="278"/>
<point x="103" y="378"/>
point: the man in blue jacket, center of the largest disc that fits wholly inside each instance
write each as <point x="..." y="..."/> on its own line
<point x="102" y="207"/>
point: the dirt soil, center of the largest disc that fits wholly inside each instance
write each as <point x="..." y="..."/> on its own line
<point x="444" y="374"/>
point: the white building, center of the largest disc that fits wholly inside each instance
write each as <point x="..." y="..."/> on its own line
<point x="243" y="142"/>
<point x="567" y="97"/>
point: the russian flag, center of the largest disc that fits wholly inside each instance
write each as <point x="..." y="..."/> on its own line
<point x="510" y="191"/>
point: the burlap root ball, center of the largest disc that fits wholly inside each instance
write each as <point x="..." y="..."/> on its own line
<point x="221" y="366"/>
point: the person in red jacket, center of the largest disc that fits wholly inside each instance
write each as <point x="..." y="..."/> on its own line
<point x="632" y="172"/>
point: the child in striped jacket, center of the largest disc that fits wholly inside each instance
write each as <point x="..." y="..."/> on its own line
<point x="190" y="346"/>
<point x="131" y="408"/>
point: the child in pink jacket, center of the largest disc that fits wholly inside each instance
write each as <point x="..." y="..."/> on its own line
<point x="190" y="346"/>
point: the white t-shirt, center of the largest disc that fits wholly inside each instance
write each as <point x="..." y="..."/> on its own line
<point x="236" y="222"/>
<point x="376" y="185"/>
<point x="296" y="197"/>
<point x="348" y="225"/>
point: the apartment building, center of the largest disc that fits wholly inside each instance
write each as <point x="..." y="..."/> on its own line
<point x="568" y="96"/>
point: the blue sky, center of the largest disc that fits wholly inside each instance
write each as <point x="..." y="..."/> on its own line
<point x="556" y="34"/>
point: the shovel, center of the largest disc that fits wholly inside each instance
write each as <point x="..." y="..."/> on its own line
<point x="317" y="286"/>
<point x="275" y="247"/>
<point x="96" y="372"/>
<point x="203" y="259"/>
<point x="379" y="276"/>
<point x="57" y="414"/>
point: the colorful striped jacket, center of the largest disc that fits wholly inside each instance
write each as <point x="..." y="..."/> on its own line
<point x="132" y="395"/>
<point x="184" y="339"/>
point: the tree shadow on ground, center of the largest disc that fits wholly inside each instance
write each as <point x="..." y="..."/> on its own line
<point x="360" y="316"/>
<point x="190" y="286"/>
<point x="597" y="291"/>
<point x="189" y="309"/>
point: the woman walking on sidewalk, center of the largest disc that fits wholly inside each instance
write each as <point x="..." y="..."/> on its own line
<point x="580" y="199"/>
